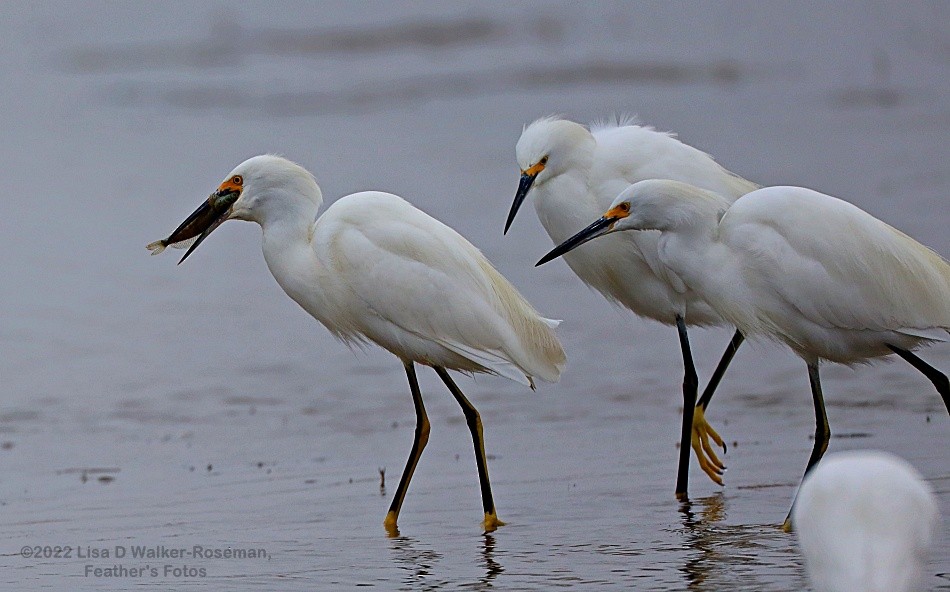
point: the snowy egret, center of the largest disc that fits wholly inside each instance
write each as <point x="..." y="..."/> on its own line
<point x="797" y="266"/>
<point x="865" y="520"/>
<point x="573" y="174"/>
<point x="375" y="269"/>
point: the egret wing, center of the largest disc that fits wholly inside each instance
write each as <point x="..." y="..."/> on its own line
<point x="415" y="275"/>
<point x="838" y="265"/>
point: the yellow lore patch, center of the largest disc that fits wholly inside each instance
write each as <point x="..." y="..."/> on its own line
<point x="534" y="169"/>
<point x="233" y="184"/>
<point x="620" y="211"/>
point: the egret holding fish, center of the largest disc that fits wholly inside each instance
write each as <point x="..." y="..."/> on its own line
<point x="374" y="269"/>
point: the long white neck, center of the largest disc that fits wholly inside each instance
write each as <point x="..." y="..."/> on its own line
<point x="695" y="254"/>
<point x="289" y="254"/>
<point x="564" y="205"/>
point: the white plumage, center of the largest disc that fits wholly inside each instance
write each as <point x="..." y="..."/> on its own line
<point x="584" y="172"/>
<point x="865" y="521"/>
<point x="791" y="264"/>
<point x="375" y="269"/>
<point x="788" y="263"/>
<point x="391" y="274"/>
<point x="846" y="282"/>
<point x="573" y="174"/>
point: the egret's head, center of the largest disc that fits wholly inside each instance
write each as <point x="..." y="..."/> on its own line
<point x="547" y="148"/>
<point x="667" y="205"/>
<point x="271" y="184"/>
<point x="256" y="189"/>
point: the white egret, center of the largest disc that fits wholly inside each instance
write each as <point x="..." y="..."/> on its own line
<point x="817" y="273"/>
<point x="573" y="174"/>
<point x="865" y="521"/>
<point x="375" y="269"/>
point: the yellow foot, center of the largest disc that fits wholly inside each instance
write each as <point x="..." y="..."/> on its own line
<point x="787" y="525"/>
<point x="705" y="454"/>
<point x="390" y="524"/>
<point x="491" y="522"/>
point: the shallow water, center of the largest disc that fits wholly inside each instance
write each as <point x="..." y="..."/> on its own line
<point x="148" y="404"/>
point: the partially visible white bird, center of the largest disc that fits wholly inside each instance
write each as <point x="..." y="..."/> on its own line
<point x="791" y="264"/>
<point x="375" y="269"/>
<point x="573" y="174"/>
<point x="865" y="521"/>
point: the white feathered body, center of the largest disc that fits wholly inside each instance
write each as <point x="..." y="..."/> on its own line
<point x="374" y="268"/>
<point x="811" y="270"/>
<point x="625" y="267"/>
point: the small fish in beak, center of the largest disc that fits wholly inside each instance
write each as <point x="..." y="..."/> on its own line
<point x="202" y="222"/>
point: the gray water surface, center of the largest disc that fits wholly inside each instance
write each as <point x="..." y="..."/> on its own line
<point x="147" y="404"/>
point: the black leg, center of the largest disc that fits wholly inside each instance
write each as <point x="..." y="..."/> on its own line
<point x="474" y="421"/>
<point x="690" y="388"/>
<point x="724" y="362"/>
<point x="822" y="431"/>
<point x="938" y="378"/>
<point x="418" y="444"/>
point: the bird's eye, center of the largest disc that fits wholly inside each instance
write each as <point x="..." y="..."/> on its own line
<point x="544" y="160"/>
<point x="237" y="180"/>
<point x="624" y="206"/>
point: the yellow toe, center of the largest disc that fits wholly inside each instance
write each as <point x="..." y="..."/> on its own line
<point x="491" y="522"/>
<point x="705" y="454"/>
<point x="712" y="473"/>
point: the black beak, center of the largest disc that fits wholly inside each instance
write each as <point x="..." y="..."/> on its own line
<point x="523" y="187"/>
<point x="209" y="215"/>
<point x="599" y="228"/>
<point x="202" y="222"/>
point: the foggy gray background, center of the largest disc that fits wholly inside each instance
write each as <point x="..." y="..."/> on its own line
<point x="226" y="416"/>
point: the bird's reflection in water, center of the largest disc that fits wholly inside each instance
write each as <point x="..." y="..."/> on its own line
<point x="492" y="567"/>
<point x="698" y="535"/>
<point x="418" y="564"/>
<point x="741" y="554"/>
<point x="712" y="510"/>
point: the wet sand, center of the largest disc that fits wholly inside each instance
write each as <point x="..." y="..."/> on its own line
<point x="148" y="405"/>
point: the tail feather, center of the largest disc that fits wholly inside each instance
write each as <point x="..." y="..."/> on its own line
<point x="927" y="334"/>
<point x="543" y="357"/>
<point x="495" y="362"/>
